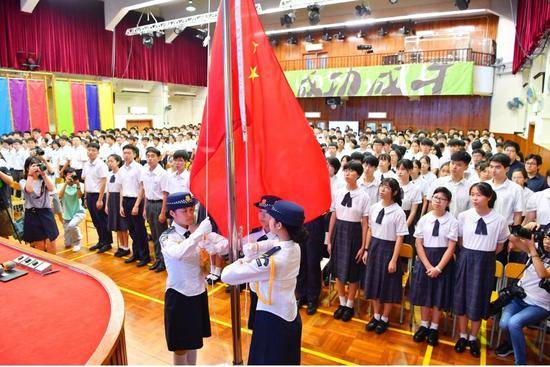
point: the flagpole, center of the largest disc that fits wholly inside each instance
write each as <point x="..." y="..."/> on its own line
<point x="230" y="172"/>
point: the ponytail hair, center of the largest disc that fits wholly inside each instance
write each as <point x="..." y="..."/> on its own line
<point x="297" y="234"/>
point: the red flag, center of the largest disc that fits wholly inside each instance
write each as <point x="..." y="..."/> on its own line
<point x="284" y="157"/>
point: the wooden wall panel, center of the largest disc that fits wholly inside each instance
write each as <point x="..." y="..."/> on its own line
<point x="426" y="113"/>
<point x="484" y="27"/>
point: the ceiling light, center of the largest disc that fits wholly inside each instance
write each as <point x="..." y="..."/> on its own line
<point x="340" y="36"/>
<point x="326" y="37"/>
<point x="382" y="32"/>
<point x="405" y="30"/>
<point x="462" y="4"/>
<point x="313" y="14"/>
<point x="291" y="40"/>
<point x="274" y="42"/>
<point x="362" y="10"/>
<point x="309" y="38"/>
<point x="393" y="2"/>
<point x="288" y="19"/>
<point x="190" y="7"/>
<point x="360" y="34"/>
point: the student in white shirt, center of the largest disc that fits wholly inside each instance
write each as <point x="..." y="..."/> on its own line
<point x="336" y="183"/>
<point x="538" y="207"/>
<point x="426" y="170"/>
<point x="519" y="176"/>
<point x="432" y="279"/>
<point x="178" y="179"/>
<point x="384" y="168"/>
<point x="482" y="232"/>
<point x="509" y="201"/>
<point x="78" y="156"/>
<point x="412" y="197"/>
<point x="65" y="153"/>
<point x="426" y="145"/>
<point x="277" y="332"/>
<point x="347" y="234"/>
<point x="369" y="183"/>
<point x="117" y="223"/>
<point x="383" y="275"/>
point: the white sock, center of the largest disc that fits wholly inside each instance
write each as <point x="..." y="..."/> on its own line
<point x="342" y="300"/>
<point x="377" y="316"/>
<point x="217" y="270"/>
<point x="472" y="337"/>
<point x="424" y="323"/>
<point x="349" y="303"/>
<point x="385" y="318"/>
<point x="465" y="336"/>
<point x="434" y="326"/>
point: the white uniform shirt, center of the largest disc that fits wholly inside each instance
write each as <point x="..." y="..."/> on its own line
<point x="113" y="182"/>
<point x="65" y="154"/>
<point x="434" y="161"/>
<point x="278" y="272"/>
<point x="411" y="195"/>
<point x="92" y="173"/>
<point x="129" y="177"/>
<point x="177" y="182"/>
<point x="336" y="183"/>
<point x="390" y="174"/>
<point x="18" y="158"/>
<point x="78" y="157"/>
<point x="428" y="178"/>
<point x="497" y="230"/>
<point x="423" y="186"/>
<point x="540" y="203"/>
<point x="7" y="154"/>
<point x="371" y="189"/>
<point x="360" y="205"/>
<point x="527" y="193"/>
<point x="154" y="182"/>
<point x="530" y="283"/>
<point x="448" y="230"/>
<point x="509" y="199"/>
<point x="460" y="200"/>
<point x="393" y="224"/>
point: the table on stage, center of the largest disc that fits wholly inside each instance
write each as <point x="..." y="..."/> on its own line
<point x="74" y="316"/>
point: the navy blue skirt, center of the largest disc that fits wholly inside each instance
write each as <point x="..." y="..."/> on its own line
<point x="474" y="281"/>
<point x="275" y="341"/>
<point x="378" y="283"/>
<point x="346" y="242"/>
<point x="186" y="320"/>
<point x="432" y="292"/>
<point x="115" y="220"/>
<point x="39" y="224"/>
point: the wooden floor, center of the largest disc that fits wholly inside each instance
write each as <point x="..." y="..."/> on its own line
<point x="324" y="340"/>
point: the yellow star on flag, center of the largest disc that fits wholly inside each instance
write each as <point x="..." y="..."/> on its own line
<point x="253" y="74"/>
<point x="255" y="45"/>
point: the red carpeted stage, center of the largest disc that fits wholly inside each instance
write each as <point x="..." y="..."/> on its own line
<point x="74" y="316"/>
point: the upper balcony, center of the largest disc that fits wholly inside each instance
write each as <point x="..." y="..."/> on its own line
<point x="309" y="62"/>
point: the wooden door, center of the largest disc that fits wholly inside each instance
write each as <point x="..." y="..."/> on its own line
<point x="139" y="124"/>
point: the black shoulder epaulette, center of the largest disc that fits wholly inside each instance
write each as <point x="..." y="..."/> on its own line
<point x="264" y="259"/>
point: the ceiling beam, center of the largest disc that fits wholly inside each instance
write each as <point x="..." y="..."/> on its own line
<point x="115" y="10"/>
<point x="28" y="6"/>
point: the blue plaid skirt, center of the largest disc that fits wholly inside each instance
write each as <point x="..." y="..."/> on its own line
<point x="378" y="283"/>
<point x="346" y="242"/>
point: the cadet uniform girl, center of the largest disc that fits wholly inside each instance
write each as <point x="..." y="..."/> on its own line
<point x="432" y="279"/>
<point x="383" y="276"/>
<point x="277" y="329"/>
<point x="347" y="234"/>
<point x="482" y="232"/>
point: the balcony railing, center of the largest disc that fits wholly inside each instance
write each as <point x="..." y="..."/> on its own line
<point x="438" y="56"/>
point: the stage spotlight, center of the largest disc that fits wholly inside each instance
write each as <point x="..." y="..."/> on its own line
<point x="360" y="34"/>
<point x="274" y="42"/>
<point x="340" y="36"/>
<point x="326" y="37"/>
<point x="309" y="38"/>
<point x="393" y="2"/>
<point x="405" y="30"/>
<point x="462" y="4"/>
<point x="291" y="40"/>
<point x="201" y="34"/>
<point x="313" y="14"/>
<point x="364" y="47"/>
<point x="148" y="40"/>
<point x="178" y="30"/>
<point x="158" y="34"/>
<point x="382" y="32"/>
<point x="288" y="19"/>
<point x="362" y="10"/>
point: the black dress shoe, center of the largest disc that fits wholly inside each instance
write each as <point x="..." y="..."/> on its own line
<point x="96" y="247"/>
<point x="348" y="314"/>
<point x="104" y="248"/>
<point x="312" y="308"/>
<point x="474" y="348"/>
<point x="121" y="252"/>
<point x="460" y="345"/>
<point x="131" y="259"/>
<point x="301" y="302"/>
<point x="160" y="268"/>
<point x="142" y="262"/>
<point x="371" y="325"/>
<point x="339" y="312"/>
<point x="433" y="337"/>
<point x="420" y="334"/>
<point x="155" y="265"/>
<point x="381" y="327"/>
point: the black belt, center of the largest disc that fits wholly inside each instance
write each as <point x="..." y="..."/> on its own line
<point x="154" y="201"/>
<point x="129" y="197"/>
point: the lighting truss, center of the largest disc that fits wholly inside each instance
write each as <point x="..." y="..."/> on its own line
<point x="207" y="18"/>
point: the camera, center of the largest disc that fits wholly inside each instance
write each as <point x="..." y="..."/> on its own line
<point x="42" y="166"/>
<point x="505" y="296"/>
<point x="538" y="235"/>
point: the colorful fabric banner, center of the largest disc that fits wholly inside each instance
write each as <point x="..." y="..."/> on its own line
<point x="5" y="110"/>
<point x="38" y="108"/>
<point x="429" y="79"/>
<point x="63" y="107"/>
<point x="78" y="98"/>
<point x="19" y="104"/>
<point x="106" y="112"/>
<point x="92" y="105"/>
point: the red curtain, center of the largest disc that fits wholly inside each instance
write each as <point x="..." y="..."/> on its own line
<point x="533" y="19"/>
<point x="70" y="37"/>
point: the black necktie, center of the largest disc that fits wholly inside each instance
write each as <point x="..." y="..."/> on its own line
<point x="481" y="227"/>
<point x="380" y="216"/>
<point x="435" y="231"/>
<point x="346" y="201"/>
<point x="263" y="238"/>
<point x="112" y="180"/>
<point x="187" y="234"/>
<point x="382" y="176"/>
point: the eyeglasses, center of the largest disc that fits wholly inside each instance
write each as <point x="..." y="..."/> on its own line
<point x="439" y="199"/>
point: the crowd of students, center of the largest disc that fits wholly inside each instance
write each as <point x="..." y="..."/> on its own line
<point x="453" y="196"/>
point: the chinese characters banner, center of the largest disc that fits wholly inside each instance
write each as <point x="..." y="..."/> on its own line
<point x="428" y="79"/>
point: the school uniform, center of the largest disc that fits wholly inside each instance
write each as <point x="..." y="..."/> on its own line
<point x="349" y="207"/>
<point x="411" y="195"/>
<point x="540" y="204"/>
<point x="308" y="286"/>
<point x="380" y="176"/>
<point x="428" y="178"/>
<point x="460" y="200"/>
<point x="537" y="183"/>
<point x="177" y="182"/>
<point x="509" y="199"/>
<point x="277" y="332"/>
<point x="78" y="158"/>
<point x="475" y="264"/>
<point x="39" y="223"/>
<point x="17" y="163"/>
<point x="116" y="222"/>
<point x="92" y="173"/>
<point x="386" y="223"/>
<point x="371" y="189"/>
<point x="434" y="292"/>
<point x="526" y="195"/>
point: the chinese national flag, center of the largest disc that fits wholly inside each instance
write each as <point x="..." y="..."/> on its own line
<point x="284" y="157"/>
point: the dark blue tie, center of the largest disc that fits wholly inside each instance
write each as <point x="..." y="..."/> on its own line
<point x="112" y="180"/>
<point x="347" y="200"/>
<point x="187" y="234"/>
<point x="380" y="216"/>
<point x="481" y="227"/>
<point x="435" y="231"/>
<point x="263" y="238"/>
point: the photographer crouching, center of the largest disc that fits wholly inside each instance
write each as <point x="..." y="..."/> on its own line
<point x="530" y="299"/>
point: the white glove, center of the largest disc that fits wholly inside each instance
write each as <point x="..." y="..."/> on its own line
<point x="208" y="246"/>
<point x="204" y="228"/>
